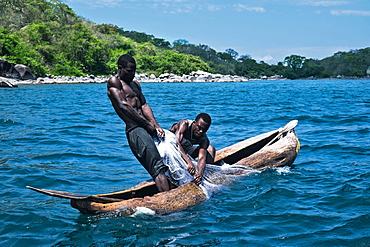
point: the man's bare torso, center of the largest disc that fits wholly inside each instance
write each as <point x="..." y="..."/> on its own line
<point x="130" y="94"/>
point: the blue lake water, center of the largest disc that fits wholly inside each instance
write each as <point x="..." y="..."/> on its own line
<point x="67" y="137"/>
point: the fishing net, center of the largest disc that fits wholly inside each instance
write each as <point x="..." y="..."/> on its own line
<point x="177" y="167"/>
<point x="214" y="177"/>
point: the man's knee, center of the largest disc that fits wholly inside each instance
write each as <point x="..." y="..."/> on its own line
<point x="211" y="150"/>
<point x="162" y="183"/>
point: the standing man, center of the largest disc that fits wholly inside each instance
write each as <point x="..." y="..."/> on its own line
<point x="130" y="105"/>
<point x="193" y="141"/>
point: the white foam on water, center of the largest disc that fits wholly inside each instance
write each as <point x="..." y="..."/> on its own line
<point x="282" y="170"/>
<point x="139" y="211"/>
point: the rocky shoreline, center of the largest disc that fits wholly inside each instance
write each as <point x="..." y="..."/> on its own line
<point x="196" y="76"/>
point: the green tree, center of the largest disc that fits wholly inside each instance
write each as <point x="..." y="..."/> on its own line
<point x="225" y="56"/>
<point x="170" y="62"/>
<point x="312" y="68"/>
<point x="248" y="68"/>
<point x="234" y="54"/>
<point x="180" y="42"/>
<point x="294" y="61"/>
<point x="161" y="43"/>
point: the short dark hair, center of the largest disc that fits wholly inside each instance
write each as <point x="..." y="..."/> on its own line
<point x="124" y="59"/>
<point x="205" y="117"/>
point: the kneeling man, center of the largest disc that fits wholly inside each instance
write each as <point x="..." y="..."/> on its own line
<point x="193" y="141"/>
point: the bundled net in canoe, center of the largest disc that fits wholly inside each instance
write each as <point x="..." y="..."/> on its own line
<point x="214" y="177"/>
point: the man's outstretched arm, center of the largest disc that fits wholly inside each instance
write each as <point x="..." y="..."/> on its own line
<point x="148" y="113"/>
<point x="202" y="159"/>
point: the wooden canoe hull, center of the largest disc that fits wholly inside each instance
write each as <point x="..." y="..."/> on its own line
<point x="282" y="153"/>
<point x="273" y="149"/>
<point x="167" y="202"/>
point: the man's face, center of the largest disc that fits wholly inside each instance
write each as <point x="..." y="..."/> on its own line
<point x="127" y="73"/>
<point x="200" y="127"/>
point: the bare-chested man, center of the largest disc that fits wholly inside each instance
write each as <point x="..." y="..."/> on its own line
<point x="192" y="140"/>
<point x="130" y="105"/>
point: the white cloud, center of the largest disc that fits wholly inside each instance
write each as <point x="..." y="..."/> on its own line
<point x="266" y="59"/>
<point x="350" y="12"/>
<point x="178" y="10"/>
<point x="99" y="3"/>
<point x="324" y="3"/>
<point x="115" y="3"/>
<point x="213" y="7"/>
<point x="240" y="7"/>
<point x="169" y="6"/>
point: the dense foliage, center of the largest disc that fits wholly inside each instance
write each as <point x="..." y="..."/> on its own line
<point x="49" y="37"/>
<point x="219" y="62"/>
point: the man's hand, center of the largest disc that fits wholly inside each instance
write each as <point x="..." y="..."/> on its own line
<point x="160" y="133"/>
<point x="191" y="168"/>
<point x="151" y="129"/>
<point x="198" y="178"/>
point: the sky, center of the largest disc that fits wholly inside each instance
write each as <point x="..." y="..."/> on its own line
<point x="267" y="30"/>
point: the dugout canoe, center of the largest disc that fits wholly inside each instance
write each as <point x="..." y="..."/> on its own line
<point x="276" y="148"/>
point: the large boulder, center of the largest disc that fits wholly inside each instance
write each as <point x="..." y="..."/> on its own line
<point x="18" y="71"/>
<point x="7" y="69"/>
<point x="6" y="82"/>
<point x="25" y="72"/>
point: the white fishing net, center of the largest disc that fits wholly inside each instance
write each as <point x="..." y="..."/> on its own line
<point x="213" y="177"/>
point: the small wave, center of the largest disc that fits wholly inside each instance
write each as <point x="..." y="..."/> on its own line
<point x="346" y="188"/>
<point x="356" y="150"/>
<point x="79" y="126"/>
<point x="327" y="147"/>
<point x="65" y="156"/>
<point x="8" y="122"/>
<point x="76" y="113"/>
<point x="353" y="119"/>
<point x="276" y="194"/>
<point x="283" y="170"/>
<point x="365" y="130"/>
<point x="95" y="122"/>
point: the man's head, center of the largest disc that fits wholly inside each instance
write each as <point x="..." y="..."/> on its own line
<point x="201" y="124"/>
<point x="126" y="67"/>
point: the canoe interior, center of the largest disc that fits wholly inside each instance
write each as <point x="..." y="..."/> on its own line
<point x="247" y="150"/>
<point x="149" y="189"/>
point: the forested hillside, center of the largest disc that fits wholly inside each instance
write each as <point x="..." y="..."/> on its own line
<point x="50" y="38"/>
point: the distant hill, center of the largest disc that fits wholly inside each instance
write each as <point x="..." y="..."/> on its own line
<point x="50" y="38"/>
